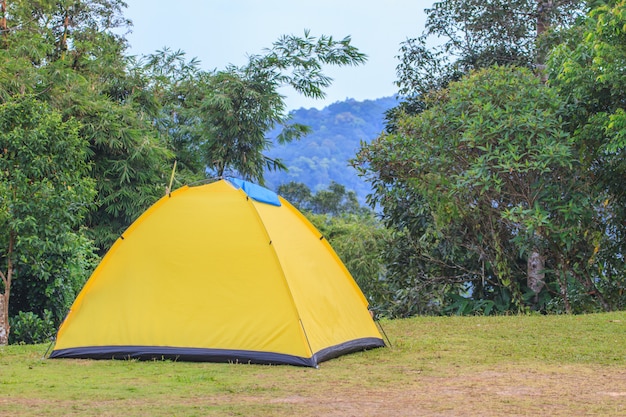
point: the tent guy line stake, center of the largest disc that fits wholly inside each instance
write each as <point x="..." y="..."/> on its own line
<point x="45" y="355"/>
<point x="380" y="326"/>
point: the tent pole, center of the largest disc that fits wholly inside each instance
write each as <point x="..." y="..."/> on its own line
<point x="306" y="336"/>
<point x="168" y="189"/>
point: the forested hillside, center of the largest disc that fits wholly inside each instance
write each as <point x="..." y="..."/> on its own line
<point x="323" y="155"/>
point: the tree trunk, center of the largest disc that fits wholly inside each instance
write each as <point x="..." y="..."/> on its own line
<point x="544" y="7"/>
<point x="3" y="17"/>
<point x="4" y="297"/>
<point x="536" y="262"/>
<point x="564" y="295"/>
<point x="535" y="273"/>
<point x="4" y="322"/>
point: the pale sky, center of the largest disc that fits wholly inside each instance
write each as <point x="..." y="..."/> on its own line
<point x="222" y="32"/>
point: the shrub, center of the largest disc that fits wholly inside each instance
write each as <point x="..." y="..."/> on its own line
<point x="28" y="328"/>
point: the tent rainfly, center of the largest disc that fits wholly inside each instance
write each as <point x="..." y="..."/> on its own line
<point x="223" y="272"/>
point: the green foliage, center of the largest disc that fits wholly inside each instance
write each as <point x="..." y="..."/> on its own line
<point x="463" y="306"/>
<point x="218" y="121"/>
<point x="470" y="35"/>
<point x="28" y="328"/>
<point x="70" y="55"/>
<point x="498" y="302"/>
<point x="587" y="71"/>
<point x="476" y="182"/>
<point x="54" y="289"/>
<point x="296" y="193"/>
<point x="518" y="171"/>
<point x="334" y="200"/>
<point x="45" y="194"/>
<point x="297" y="61"/>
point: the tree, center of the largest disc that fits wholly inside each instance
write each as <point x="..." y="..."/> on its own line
<point x="493" y="178"/>
<point x="45" y="193"/>
<point x="587" y="70"/>
<point x="335" y="200"/>
<point x="296" y="193"/>
<point x="476" y="34"/>
<point x="470" y="36"/>
<point x="70" y="55"/>
<point x="218" y="121"/>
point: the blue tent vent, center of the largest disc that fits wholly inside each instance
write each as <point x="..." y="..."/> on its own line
<point x="256" y="192"/>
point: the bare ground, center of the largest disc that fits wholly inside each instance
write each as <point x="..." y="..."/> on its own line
<point x="514" y="392"/>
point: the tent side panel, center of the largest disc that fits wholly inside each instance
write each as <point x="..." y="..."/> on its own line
<point x="330" y="304"/>
<point x="111" y="252"/>
<point x="182" y="354"/>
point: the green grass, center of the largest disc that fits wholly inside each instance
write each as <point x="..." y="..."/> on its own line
<point x="483" y="366"/>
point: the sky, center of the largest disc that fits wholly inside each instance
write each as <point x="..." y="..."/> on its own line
<point x="223" y="32"/>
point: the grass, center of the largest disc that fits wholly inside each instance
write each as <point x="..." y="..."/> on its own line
<point x="444" y="366"/>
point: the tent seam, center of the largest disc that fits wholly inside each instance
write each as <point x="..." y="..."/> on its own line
<point x="282" y="272"/>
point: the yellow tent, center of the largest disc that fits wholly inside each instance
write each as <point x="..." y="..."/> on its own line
<point x="224" y="272"/>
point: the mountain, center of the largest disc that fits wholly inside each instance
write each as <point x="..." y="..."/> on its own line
<point x="323" y="155"/>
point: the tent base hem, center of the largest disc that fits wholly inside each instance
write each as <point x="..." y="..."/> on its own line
<point x="351" y="346"/>
<point x="213" y="355"/>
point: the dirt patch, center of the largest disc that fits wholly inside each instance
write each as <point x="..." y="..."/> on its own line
<point x="555" y="392"/>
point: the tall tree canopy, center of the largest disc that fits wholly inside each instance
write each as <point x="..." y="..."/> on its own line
<point x="45" y="192"/>
<point x="482" y="174"/>
<point x="470" y="35"/>
<point x="588" y="71"/>
<point x="490" y="175"/>
<point x="68" y="54"/>
<point x="218" y="121"/>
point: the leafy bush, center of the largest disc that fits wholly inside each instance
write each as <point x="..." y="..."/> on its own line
<point x="29" y="328"/>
